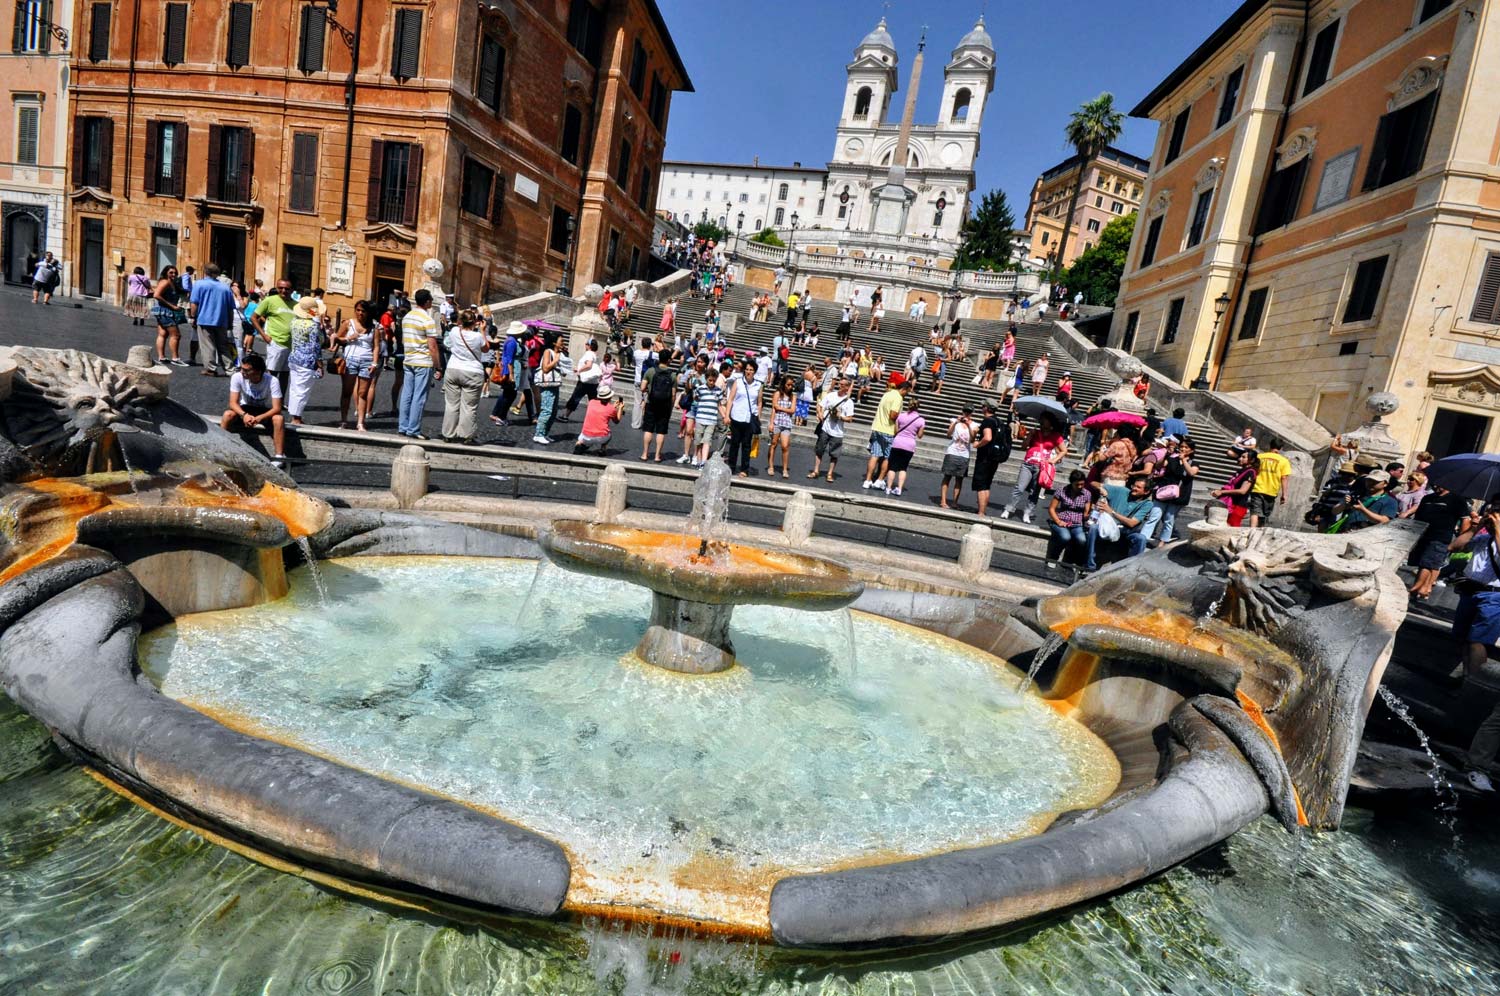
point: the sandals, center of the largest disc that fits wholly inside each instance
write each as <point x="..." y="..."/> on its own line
<point x="812" y="475"/>
<point x="784" y="474"/>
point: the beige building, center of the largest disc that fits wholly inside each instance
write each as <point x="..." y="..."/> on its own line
<point x="1112" y="185"/>
<point x="1332" y="171"/>
<point x="34" y="141"/>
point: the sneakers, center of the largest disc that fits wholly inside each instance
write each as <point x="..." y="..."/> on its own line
<point x="1051" y="565"/>
<point x="1480" y="780"/>
<point x="1005" y="513"/>
<point x="541" y="440"/>
<point x="684" y="458"/>
<point x="179" y="363"/>
<point x="279" y="460"/>
<point x="894" y="492"/>
<point x="868" y="485"/>
<point x="1026" y="516"/>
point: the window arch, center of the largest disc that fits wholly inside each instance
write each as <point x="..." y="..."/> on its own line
<point x="782" y="191"/>
<point x="780" y="215"/>
<point x="961" y="101"/>
<point x="862" y="102"/>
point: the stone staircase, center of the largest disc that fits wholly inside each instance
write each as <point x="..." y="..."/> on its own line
<point x="894" y="341"/>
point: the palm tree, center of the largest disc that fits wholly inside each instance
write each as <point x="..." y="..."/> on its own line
<point x="1095" y="125"/>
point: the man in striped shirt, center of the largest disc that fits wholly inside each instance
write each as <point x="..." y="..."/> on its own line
<point x="708" y="398"/>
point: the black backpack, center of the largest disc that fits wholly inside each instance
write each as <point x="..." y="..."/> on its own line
<point x="659" y="391"/>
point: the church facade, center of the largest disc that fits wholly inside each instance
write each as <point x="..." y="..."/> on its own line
<point x="890" y="180"/>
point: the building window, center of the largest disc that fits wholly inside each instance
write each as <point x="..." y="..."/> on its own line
<point x="643" y="192"/>
<point x="961" y="101"/>
<point x="638" y="71"/>
<point x="1401" y="142"/>
<point x="782" y="191"/>
<point x="1179" y="132"/>
<point x="780" y="215"/>
<point x="586" y="30"/>
<point x="843" y="212"/>
<point x="30" y="33"/>
<point x="1093" y="225"/>
<point x="303" y="195"/>
<point x="1283" y="194"/>
<point x="1199" y="224"/>
<point x="1487" y="300"/>
<point x="1365" y="293"/>
<point x="406" y="44"/>
<point x="28" y="127"/>
<point x="572" y="132"/>
<point x="1116" y="207"/>
<point x="491" y="73"/>
<point x="561" y="222"/>
<point x="1132" y="322"/>
<point x="99" y="15"/>
<point x="622" y="170"/>
<point x="166" y="158"/>
<point x="1098" y="202"/>
<point x="231" y="163"/>
<point x="174" y="34"/>
<point x="744" y="198"/>
<point x="612" y="249"/>
<point x="658" y="108"/>
<point x="395" y="183"/>
<point x="311" y="44"/>
<point x="862" y="102"/>
<point x="1153" y="236"/>
<point x="241" y="27"/>
<point x="1231" y="96"/>
<point x="1320" y="61"/>
<point x="1174" y="320"/>
<point x="297" y="264"/>
<point x="635" y="261"/>
<point x="1432" y="8"/>
<point x="478" y="182"/>
<point x="1046" y="237"/>
<point x="93" y="152"/>
<point x="1255" y="312"/>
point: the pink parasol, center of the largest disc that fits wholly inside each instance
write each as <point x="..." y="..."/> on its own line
<point x="1114" y="419"/>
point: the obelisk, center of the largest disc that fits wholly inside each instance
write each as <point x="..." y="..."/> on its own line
<point x="894" y="199"/>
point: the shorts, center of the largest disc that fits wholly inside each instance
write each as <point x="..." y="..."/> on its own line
<point x="880" y="445"/>
<point x="984" y="472"/>
<point x="1432" y="555"/>
<point x="703" y="432"/>
<point x="255" y="410"/>
<point x="1261" y="504"/>
<point x="656" y="420"/>
<point x="827" y="445"/>
<point x="900" y="460"/>
<point x="955" y="466"/>
<point x="862" y="383"/>
<point x="1477" y="618"/>
<point x="358" y="364"/>
<point x="168" y="317"/>
<point x="277" y="357"/>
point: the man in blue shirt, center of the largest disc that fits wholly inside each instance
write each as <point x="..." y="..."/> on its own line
<point x="212" y="304"/>
<point x="1137" y="520"/>
<point x="1176" y="425"/>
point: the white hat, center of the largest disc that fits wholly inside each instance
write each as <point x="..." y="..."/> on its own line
<point x="516" y="328"/>
<point x="605" y="393"/>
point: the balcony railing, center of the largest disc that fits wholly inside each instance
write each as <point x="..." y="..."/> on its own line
<point x="893" y="271"/>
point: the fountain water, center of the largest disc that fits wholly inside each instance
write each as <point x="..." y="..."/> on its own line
<point x="312" y="568"/>
<point x="711" y="506"/>
<point x="1447" y="797"/>
<point x="1049" y="646"/>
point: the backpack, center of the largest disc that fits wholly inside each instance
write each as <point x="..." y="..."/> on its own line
<point x="659" y="390"/>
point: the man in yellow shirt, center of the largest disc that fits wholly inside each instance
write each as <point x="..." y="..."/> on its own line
<point x="792" y="301"/>
<point x="883" y="431"/>
<point x="1272" y="470"/>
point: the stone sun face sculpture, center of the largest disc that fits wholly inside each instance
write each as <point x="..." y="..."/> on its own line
<point x="63" y="400"/>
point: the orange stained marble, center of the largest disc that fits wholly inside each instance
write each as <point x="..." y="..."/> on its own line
<point x="679" y="548"/>
<point x="1258" y="717"/>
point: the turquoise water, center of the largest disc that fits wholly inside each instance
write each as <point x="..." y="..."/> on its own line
<point x="686" y="794"/>
<point x="100" y="897"/>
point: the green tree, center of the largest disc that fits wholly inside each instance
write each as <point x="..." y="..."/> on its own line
<point x="986" y="236"/>
<point x="1097" y="269"/>
<point x="1090" y="129"/>
<point x="709" y="230"/>
<point x="769" y="237"/>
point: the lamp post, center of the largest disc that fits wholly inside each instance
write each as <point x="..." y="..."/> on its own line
<point x="1221" y="305"/>
<point x="564" y="288"/>
<point x="791" y="249"/>
<point x="739" y="224"/>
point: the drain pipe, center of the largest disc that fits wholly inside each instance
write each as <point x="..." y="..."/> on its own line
<point x="359" y="22"/>
<point x="135" y="33"/>
<point x="1286" y="105"/>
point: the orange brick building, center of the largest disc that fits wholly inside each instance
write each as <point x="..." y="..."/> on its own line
<point x="519" y="142"/>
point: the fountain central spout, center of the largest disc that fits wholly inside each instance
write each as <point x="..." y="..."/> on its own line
<point x="711" y="508"/>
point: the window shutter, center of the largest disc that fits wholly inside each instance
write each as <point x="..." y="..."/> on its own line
<point x="27" y="127"/>
<point x="488" y="90"/>
<point x="215" y="145"/>
<point x="179" y="159"/>
<point x="1487" y="300"/>
<point x="174" y="43"/>
<point x="247" y="164"/>
<point x="18" y="31"/>
<point x="99" y="15"/>
<point x="497" y="204"/>
<point x="304" y="172"/>
<point x="241" y="22"/>
<point x="413" y="185"/>
<point x="407" y="48"/>
<point x="313" y="44"/>
<point x="377" y="167"/>
<point x="1379" y="151"/>
<point x="1255" y="310"/>
<point x="80" y="137"/>
<point x="106" y="153"/>
<point x="153" y="135"/>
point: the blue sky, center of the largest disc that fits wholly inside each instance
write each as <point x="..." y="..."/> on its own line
<point x="769" y="74"/>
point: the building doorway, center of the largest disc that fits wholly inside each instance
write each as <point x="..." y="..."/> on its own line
<point x="390" y="276"/>
<point x="297" y="266"/>
<point x="91" y="259"/>
<point x="1457" y="432"/>
<point x="23" y="246"/>
<point x="226" y="247"/>
<point x="163" y="249"/>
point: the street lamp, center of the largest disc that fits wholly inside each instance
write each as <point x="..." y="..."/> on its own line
<point x="1221" y="305"/>
<point x="564" y="288"/>
<point x="739" y="224"/>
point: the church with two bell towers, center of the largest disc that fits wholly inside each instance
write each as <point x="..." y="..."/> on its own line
<point x="889" y="180"/>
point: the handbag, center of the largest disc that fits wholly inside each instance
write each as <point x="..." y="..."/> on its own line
<point x="1046" y="474"/>
<point x="1168" y="492"/>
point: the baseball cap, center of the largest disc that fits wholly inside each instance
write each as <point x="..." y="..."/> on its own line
<point x="1378" y="475"/>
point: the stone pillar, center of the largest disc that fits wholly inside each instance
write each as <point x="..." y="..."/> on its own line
<point x="797" y="520"/>
<point x="1299" y="488"/>
<point x="977" y="549"/>
<point x="587" y="324"/>
<point x="409" y="473"/>
<point x="610" y="494"/>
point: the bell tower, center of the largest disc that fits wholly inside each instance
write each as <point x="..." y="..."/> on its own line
<point x="967" y="81"/>
<point x="872" y="80"/>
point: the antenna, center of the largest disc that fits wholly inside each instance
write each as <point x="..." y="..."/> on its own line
<point x="922" y="42"/>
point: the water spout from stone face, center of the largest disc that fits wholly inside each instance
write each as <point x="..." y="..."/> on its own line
<point x="711" y="507"/>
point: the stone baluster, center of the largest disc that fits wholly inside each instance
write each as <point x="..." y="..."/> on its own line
<point x="409" y="475"/>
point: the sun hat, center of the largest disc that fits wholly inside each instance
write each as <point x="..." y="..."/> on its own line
<point x="516" y="328"/>
<point x="605" y="393"/>
<point x="308" y="306"/>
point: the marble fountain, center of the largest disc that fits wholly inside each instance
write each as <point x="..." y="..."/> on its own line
<point x="666" y="729"/>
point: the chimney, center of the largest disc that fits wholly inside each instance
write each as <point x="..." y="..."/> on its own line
<point x="796" y="165"/>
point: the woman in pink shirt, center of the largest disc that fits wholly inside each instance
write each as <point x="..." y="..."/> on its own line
<point x="909" y="428"/>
